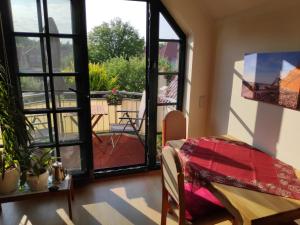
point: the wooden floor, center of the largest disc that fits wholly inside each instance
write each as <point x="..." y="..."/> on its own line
<point x="134" y="199"/>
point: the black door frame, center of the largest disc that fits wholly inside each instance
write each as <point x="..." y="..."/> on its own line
<point x="80" y="61"/>
<point x="154" y="8"/>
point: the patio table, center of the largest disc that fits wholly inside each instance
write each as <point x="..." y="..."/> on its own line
<point x="269" y="200"/>
<point x="97" y="112"/>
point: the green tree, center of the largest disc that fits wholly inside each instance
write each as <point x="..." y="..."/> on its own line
<point x="114" y="39"/>
<point x="130" y="74"/>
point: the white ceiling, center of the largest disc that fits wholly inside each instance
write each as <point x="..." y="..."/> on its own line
<point x="223" y="8"/>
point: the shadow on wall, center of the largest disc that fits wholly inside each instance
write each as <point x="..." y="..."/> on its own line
<point x="266" y="132"/>
<point x="267" y="127"/>
<point x="220" y="120"/>
<point x="268" y="117"/>
<point x="187" y="82"/>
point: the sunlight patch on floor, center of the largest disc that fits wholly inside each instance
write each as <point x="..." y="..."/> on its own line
<point x="100" y="212"/>
<point x="64" y="216"/>
<point x="25" y="221"/>
<point x="138" y="203"/>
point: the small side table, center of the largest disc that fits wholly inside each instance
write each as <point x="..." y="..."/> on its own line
<point x="65" y="188"/>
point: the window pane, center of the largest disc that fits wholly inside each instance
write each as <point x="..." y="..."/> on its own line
<point x="63" y="96"/>
<point x="29" y="54"/>
<point x="161" y="113"/>
<point x="33" y="92"/>
<point x="62" y="55"/>
<point x="165" y="30"/>
<point x="70" y="157"/>
<point x="24" y="14"/>
<point x="167" y="89"/>
<point x="41" y="132"/>
<point x="59" y="12"/>
<point x="168" y="57"/>
<point x="67" y="126"/>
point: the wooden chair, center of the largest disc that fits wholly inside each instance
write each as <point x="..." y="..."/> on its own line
<point x="174" y="126"/>
<point x="173" y="188"/>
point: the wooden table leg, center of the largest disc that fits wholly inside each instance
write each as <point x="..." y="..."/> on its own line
<point x="70" y="204"/>
<point x="98" y="117"/>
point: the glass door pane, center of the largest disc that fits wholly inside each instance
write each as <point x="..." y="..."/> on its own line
<point x="51" y="77"/>
<point x="170" y="74"/>
<point x="116" y="40"/>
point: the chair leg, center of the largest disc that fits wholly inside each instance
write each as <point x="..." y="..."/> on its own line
<point x="114" y="143"/>
<point x="136" y="132"/>
<point x="164" y="207"/>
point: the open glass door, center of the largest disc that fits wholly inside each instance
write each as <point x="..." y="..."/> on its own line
<point x="117" y="76"/>
<point x="167" y="71"/>
<point x="47" y="56"/>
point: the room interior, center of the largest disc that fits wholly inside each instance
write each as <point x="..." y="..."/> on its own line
<point x="219" y="34"/>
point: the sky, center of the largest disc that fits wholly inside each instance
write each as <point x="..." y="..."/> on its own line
<point x="266" y="67"/>
<point x="97" y="12"/>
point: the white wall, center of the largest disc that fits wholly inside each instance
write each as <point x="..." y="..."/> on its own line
<point x="199" y="28"/>
<point x="269" y="28"/>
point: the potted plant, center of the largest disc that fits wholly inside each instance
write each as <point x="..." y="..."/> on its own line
<point x="114" y="98"/>
<point x="10" y="174"/>
<point x="15" y="132"/>
<point x="37" y="175"/>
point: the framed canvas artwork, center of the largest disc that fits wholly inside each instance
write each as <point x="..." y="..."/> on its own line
<point x="272" y="78"/>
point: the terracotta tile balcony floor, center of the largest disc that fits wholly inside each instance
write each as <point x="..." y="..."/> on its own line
<point x="128" y="151"/>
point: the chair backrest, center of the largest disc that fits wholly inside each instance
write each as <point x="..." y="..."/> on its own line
<point x="141" y="113"/>
<point x="174" y="126"/>
<point x="172" y="177"/>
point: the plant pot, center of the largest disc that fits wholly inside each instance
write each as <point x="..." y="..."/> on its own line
<point x="38" y="183"/>
<point x="116" y="102"/>
<point x="10" y="182"/>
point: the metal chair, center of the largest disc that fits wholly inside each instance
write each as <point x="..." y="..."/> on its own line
<point x="132" y="125"/>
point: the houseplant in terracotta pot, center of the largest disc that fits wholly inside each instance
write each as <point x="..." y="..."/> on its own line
<point x="38" y="173"/>
<point x="10" y="174"/>
<point x="15" y="133"/>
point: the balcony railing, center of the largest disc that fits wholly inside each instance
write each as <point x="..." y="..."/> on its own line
<point x="66" y="125"/>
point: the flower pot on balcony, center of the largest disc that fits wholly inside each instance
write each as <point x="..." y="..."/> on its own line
<point x="114" y="102"/>
<point x="10" y="181"/>
<point x="38" y="183"/>
<point x="114" y="98"/>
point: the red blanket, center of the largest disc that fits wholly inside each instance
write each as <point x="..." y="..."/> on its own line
<point x="237" y="164"/>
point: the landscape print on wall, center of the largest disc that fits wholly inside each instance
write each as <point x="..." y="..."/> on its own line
<point x="272" y="78"/>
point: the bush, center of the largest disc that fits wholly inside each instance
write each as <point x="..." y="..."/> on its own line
<point x="130" y="74"/>
<point x="100" y="80"/>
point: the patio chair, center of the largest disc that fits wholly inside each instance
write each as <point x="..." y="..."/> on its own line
<point x="174" y="127"/>
<point x="132" y="125"/>
<point x="178" y="197"/>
